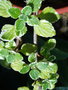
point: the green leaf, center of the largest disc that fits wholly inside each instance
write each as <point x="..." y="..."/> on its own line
<point x="49" y="14"/>
<point x="4" y="64"/>
<point x="4" y="53"/>
<point x="28" y="48"/>
<point x="4" y="6"/>
<point x="23" y="17"/>
<point x="41" y="65"/>
<point x="47" y="47"/>
<point x="44" y="74"/>
<point x="35" y="4"/>
<point x="45" y="86"/>
<point x="60" y="55"/>
<point x="32" y="57"/>
<point x="32" y="20"/>
<point x="23" y="88"/>
<point x="51" y="58"/>
<point x="27" y="10"/>
<point x="34" y="74"/>
<point x="1" y="44"/>
<point x="17" y="65"/>
<point x="25" y="69"/>
<point x="14" y="57"/>
<point x="32" y="65"/>
<point x="8" y="32"/>
<point x="14" y="12"/>
<point x="21" y="32"/>
<point x="10" y="45"/>
<point x="52" y="68"/>
<point x="19" y="24"/>
<point x="44" y="29"/>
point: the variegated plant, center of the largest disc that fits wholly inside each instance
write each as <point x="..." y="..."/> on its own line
<point x="41" y="69"/>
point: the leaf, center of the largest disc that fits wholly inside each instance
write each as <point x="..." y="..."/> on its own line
<point x="45" y="86"/>
<point x="21" y="32"/>
<point x="14" y="57"/>
<point x="32" y="57"/>
<point x="32" y="65"/>
<point x="32" y="20"/>
<point x="19" y="24"/>
<point x="23" y="88"/>
<point x="4" y="53"/>
<point x="51" y="58"/>
<point x="23" y="17"/>
<point x="17" y="65"/>
<point x="44" y="29"/>
<point x="44" y="75"/>
<point x="28" y="48"/>
<point x="52" y="68"/>
<point x="49" y="14"/>
<point x="35" y="4"/>
<point x="25" y="69"/>
<point x="41" y="65"/>
<point x="27" y="10"/>
<point x="10" y="45"/>
<point x="34" y="74"/>
<point x="1" y="44"/>
<point x="8" y="32"/>
<point x="60" y="55"/>
<point x="14" y="12"/>
<point x="4" y="6"/>
<point x="48" y="46"/>
<point x="4" y="64"/>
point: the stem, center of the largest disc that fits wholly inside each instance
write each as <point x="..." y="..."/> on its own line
<point x="18" y="43"/>
<point x="35" y="39"/>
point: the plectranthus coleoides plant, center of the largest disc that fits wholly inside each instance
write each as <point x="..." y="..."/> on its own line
<point x="39" y="64"/>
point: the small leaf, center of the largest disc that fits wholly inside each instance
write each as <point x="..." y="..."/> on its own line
<point x="32" y="20"/>
<point x="14" y="57"/>
<point x="19" y="24"/>
<point x="52" y="68"/>
<point x="14" y="12"/>
<point x="41" y="65"/>
<point x="45" y="86"/>
<point x="23" y="88"/>
<point x="1" y="44"/>
<point x="21" y="32"/>
<point x="44" y="29"/>
<point x="35" y="4"/>
<point x="4" y="64"/>
<point x="4" y="6"/>
<point x="23" y="17"/>
<point x="32" y="65"/>
<point x="28" y="48"/>
<point x="34" y="74"/>
<point x="4" y="52"/>
<point x="51" y="58"/>
<point x="44" y="74"/>
<point x="32" y="57"/>
<point x="25" y="69"/>
<point x="10" y="45"/>
<point x="27" y="10"/>
<point x="49" y="14"/>
<point x="47" y="47"/>
<point x="8" y="32"/>
<point x="17" y="65"/>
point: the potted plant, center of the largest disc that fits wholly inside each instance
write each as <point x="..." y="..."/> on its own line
<point x="34" y="59"/>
